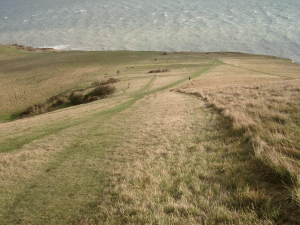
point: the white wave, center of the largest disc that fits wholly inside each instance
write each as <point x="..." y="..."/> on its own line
<point x="57" y="47"/>
<point x="81" y="11"/>
<point x="61" y="47"/>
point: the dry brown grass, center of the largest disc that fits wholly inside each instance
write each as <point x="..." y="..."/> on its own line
<point x="266" y="64"/>
<point x="176" y="165"/>
<point x="268" y="112"/>
<point x="264" y="109"/>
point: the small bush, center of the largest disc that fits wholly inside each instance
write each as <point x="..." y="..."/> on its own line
<point x="59" y="101"/>
<point x="112" y="81"/>
<point x="56" y="101"/>
<point x="101" y="91"/>
<point x="76" y="98"/>
<point x="33" y="110"/>
<point x="103" y="82"/>
<point x="159" y="71"/>
<point x="91" y="98"/>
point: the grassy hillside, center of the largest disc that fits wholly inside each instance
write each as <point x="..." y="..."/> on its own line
<point x="31" y="78"/>
<point x="162" y="150"/>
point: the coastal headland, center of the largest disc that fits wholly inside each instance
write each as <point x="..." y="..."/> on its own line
<point x="178" y="138"/>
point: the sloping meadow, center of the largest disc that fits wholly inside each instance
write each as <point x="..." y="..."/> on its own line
<point x="264" y="108"/>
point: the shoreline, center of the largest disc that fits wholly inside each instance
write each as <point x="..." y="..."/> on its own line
<point x="29" y="48"/>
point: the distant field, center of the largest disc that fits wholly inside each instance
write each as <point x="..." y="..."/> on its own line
<point x="220" y="148"/>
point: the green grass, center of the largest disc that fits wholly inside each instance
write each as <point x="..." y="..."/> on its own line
<point x="10" y="117"/>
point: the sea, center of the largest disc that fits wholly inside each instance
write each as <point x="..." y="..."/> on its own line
<point x="270" y="27"/>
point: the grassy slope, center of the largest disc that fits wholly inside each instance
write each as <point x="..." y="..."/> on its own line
<point x="30" y="78"/>
<point x="260" y="98"/>
<point x="144" y="155"/>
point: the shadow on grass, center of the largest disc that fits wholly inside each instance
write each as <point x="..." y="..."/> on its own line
<point x="253" y="186"/>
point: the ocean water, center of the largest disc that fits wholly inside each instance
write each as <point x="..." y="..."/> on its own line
<point x="269" y="27"/>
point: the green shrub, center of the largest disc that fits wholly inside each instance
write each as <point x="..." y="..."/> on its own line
<point x="56" y="101"/>
<point x="59" y="101"/>
<point x="159" y="71"/>
<point x="98" y="83"/>
<point x="32" y="110"/>
<point x="101" y="91"/>
<point x="112" y="80"/>
<point x="76" y="98"/>
<point x="91" y="98"/>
